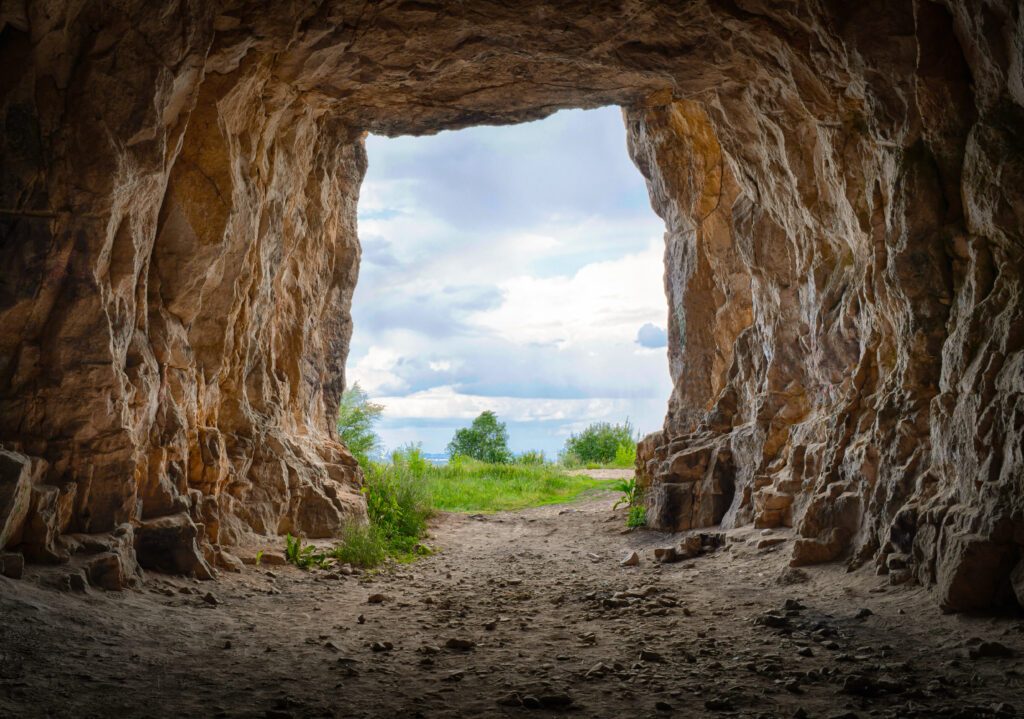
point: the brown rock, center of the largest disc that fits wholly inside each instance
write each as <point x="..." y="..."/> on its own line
<point x="168" y="544"/>
<point x="666" y="555"/>
<point x="12" y="564"/>
<point x="974" y="573"/>
<point x="817" y="551"/>
<point x="107" y="571"/>
<point x="15" y="496"/>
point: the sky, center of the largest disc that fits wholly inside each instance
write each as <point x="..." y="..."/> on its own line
<point x="516" y="269"/>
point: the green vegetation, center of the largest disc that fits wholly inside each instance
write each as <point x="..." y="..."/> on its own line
<point x="486" y="440"/>
<point x="361" y="545"/>
<point x="629" y="492"/>
<point x="637" y="516"/>
<point x="398" y="507"/>
<point x="631" y="497"/>
<point x="465" y="485"/>
<point x="302" y="555"/>
<point x="602" y="444"/>
<point x="532" y="457"/>
<point x="398" y="501"/>
<point x="482" y="476"/>
<point x="356" y="417"/>
<point x="401" y="494"/>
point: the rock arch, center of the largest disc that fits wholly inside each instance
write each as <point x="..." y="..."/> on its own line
<point x="840" y="187"/>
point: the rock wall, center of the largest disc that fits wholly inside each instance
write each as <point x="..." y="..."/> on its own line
<point x="840" y="186"/>
<point x="843" y="265"/>
<point x="180" y="253"/>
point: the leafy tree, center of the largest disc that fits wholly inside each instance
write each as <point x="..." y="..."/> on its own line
<point x="600" y="443"/>
<point x="485" y="440"/>
<point x="356" y="417"/>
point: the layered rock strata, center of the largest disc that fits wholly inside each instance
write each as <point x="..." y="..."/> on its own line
<point x="840" y="186"/>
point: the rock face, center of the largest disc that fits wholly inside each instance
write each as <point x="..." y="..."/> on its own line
<point x="839" y="182"/>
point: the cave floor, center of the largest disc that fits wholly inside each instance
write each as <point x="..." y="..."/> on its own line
<point x="532" y="591"/>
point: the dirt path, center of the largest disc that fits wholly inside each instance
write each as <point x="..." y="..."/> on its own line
<point x="516" y="611"/>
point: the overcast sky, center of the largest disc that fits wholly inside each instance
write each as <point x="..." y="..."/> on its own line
<point x="516" y="269"/>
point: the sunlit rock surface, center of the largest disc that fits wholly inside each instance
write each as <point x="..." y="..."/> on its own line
<point x="841" y="190"/>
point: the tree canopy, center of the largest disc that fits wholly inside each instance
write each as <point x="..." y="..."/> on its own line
<point x="357" y="416"/>
<point x="486" y="440"/>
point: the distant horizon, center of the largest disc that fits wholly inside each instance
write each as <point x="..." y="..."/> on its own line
<point x="515" y="269"/>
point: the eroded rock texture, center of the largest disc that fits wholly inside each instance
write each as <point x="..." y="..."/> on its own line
<point x="839" y="181"/>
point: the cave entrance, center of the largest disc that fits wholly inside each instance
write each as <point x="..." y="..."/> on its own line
<point x="516" y="269"/>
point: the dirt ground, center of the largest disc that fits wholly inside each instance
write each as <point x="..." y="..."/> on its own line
<point x="517" y="614"/>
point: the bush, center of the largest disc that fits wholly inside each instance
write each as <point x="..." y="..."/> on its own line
<point x="356" y="417"/>
<point x="532" y="457"/>
<point x="397" y="502"/>
<point x="361" y="545"/>
<point x="599" y="444"/>
<point x="485" y="440"/>
<point x="625" y="455"/>
<point x="398" y="507"/>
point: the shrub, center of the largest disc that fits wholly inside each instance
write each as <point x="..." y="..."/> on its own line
<point x="398" y="507"/>
<point x="599" y="443"/>
<point x="532" y="457"/>
<point x="397" y="502"/>
<point x="356" y="417"/>
<point x="625" y="455"/>
<point x="361" y="545"/>
<point x="485" y="440"/>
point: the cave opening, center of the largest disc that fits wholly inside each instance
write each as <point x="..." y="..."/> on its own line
<point x="513" y="268"/>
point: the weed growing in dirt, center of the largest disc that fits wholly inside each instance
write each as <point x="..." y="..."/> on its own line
<point x="302" y="555"/>
<point x="637" y="516"/>
<point x="629" y="492"/>
<point x="361" y="545"/>
<point x="631" y="497"/>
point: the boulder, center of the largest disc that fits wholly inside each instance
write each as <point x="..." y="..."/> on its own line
<point x="169" y="544"/>
<point x="973" y="574"/>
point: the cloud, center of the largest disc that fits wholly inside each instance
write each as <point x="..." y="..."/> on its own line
<point x="508" y="269"/>
<point x="603" y="301"/>
<point x="652" y="336"/>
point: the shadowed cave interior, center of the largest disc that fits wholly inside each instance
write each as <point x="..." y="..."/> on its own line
<point x="840" y="186"/>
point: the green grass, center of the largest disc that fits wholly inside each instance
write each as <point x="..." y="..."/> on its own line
<point x="466" y="485"/>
